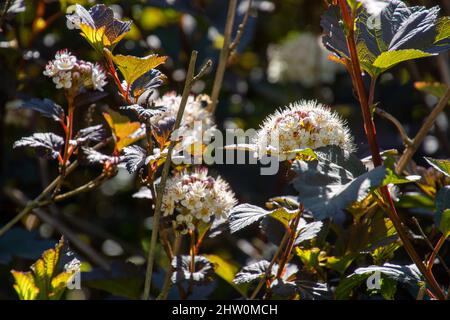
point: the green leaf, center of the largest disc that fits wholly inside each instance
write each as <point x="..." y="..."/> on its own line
<point x="24" y="285"/>
<point x="123" y="130"/>
<point x="393" y="178"/>
<point x="46" y="280"/>
<point x="444" y="226"/>
<point x="400" y="33"/>
<point x="441" y="216"/>
<point x="98" y="26"/>
<point x="442" y="166"/>
<point x="389" y="59"/>
<point x="244" y="215"/>
<point x="133" y="67"/>
<point x="443" y="29"/>
<point x="227" y="270"/>
<point x="334" y="181"/>
<point x="346" y="286"/>
<point x="283" y="215"/>
<point x="395" y="273"/>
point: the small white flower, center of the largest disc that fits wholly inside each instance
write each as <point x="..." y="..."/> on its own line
<point x="305" y="124"/>
<point x="98" y="77"/>
<point x="64" y="60"/>
<point x="50" y="69"/>
<point x="198" y="197"/>
<point x="197" y="125"/>
<point x="63" y="80"/>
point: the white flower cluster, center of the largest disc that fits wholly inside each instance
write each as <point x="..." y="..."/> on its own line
<point x="66" y="70"/>
<point x="305" y="124"/>
<point x="196" y="197"/>
<point x="301" y="59"/>
<point x="197" y="125"/>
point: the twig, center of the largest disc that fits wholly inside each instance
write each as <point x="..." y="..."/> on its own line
<point x="81" y="189"/>
<point x="436" y="249"/>
<point x="430" y="245"/>
<point x="164" y="175"/>
<point x="417" y="141"/>
<point x="18" y="197"/>
<point x="34" y="203"/>
<point x="406" y="140"/>
<point x="203" y="70"/>
<point x="167" y="280"/>
<point x="269" y="268"/>
<point x="369" y="126"/>
<point x="223" y="59"/>
<point x="290" y="245"/>
<point x="240" y="31"/>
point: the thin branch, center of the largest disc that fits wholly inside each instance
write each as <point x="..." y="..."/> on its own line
<point x="268" y="272"/>
<point x="290" y="245"/>
<point x="240" y="31"/>
<point x="81" y="189"/>
<point x="430" y="245"/>
<point x="203" y="70"/>
<point x="418" y="139"/>
<point x="224" y="53"/>
<point x="406" y="140"/>
<point x="35" y="202"/>
<point x="436" y="249"/>
<point x="164" y="175"/>
<point x="18" y="197"/>
<point x="167" y="280"/>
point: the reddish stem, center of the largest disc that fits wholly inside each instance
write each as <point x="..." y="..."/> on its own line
<point x="370" y="130"/>
<point x="435" y="252"/>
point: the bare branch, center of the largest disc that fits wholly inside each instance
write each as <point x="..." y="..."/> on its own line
<point x="240" y="31"/>
<point x="35" y="203"/>
<point x="164" y="175"/>
<point x="224" y="53"/>
<point x="406" y="140"/>
<point x="418" y="139"/>
<point x="18" y="197"/>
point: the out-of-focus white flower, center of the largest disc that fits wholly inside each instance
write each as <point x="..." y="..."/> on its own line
<point x="374" y="7"/>
<point x="197" y="125"/>
<point x="66" y="70"/>
<point x="195" y="197"/>
<point x="302" y="59"/>
<point x="304" y="124"/>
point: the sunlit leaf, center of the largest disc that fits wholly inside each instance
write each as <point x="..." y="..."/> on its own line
<point x="440" y="165"/>
<point x="395" y="34"/>
<point x="202" y="274"/>
<point x="99" y="26"/>
<point x="244" y="215"/>
<point x="226" y="270"/>
<point x="133" y="67"/>
<point x="46" y="144"/>
<point x="124" y="131"/>
<point x="251" y="272"/>
<point x="48" y="277"/>
<point x="24" y="285"/>
<point x="389" y="59"/>
<point x="134" y="158"/>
